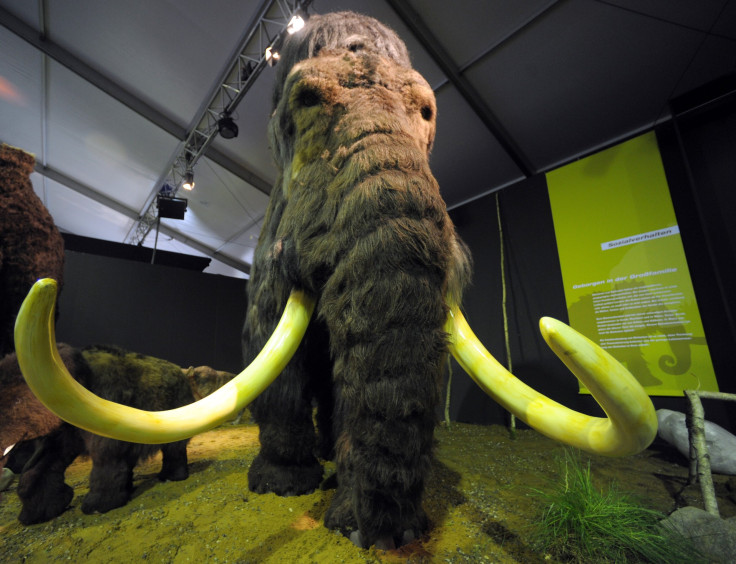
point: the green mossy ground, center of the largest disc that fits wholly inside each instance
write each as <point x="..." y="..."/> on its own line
<point x="478" y="498"/>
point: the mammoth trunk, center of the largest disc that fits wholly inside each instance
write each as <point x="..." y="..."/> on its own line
<point x="384" y="308"/>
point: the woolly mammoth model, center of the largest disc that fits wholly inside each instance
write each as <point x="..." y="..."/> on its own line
<point x="31" y="246"/>
<point x="115" y="375"/>
<point x="203" y="380"/>
<point x="356" y="232"/>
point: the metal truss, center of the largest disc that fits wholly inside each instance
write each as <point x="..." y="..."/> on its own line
<point x="267" y="34"/>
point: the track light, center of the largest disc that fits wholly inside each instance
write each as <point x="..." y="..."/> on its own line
<point x="188" y="183"/>
<point x="169" y="207"/>
<point x="227" y="128"/>
<point x="295" y="24"/>
<point x="272" y="56"/>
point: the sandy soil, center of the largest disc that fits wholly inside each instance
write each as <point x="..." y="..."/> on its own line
<point x="478" y="499"/>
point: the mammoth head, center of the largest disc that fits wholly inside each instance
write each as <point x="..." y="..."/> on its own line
<point x="335" y="99"/>
<point x="338" y="32"/>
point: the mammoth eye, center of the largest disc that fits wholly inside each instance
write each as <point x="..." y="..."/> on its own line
<point x="426" y="112"/>
<point x="308" y="97"/>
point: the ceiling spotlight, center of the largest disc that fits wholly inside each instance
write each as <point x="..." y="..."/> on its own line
<point x="188" y="183"/>
<point x="227" y="128"/>
<point x="272" y="56"/>
<point x="296" y="24"/>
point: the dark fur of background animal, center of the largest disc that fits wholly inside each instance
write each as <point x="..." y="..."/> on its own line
<point x="31" y="246"/>
<point x="356" y="219"/>
<point x="114" y="374"/>
<point x="203" y="380"/>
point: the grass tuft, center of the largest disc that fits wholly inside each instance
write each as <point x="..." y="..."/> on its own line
<point x="581" y="523"/>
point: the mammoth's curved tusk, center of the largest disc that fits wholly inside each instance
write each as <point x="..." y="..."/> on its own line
<point x="631" y="424"/>
<point x="48" y="378"/>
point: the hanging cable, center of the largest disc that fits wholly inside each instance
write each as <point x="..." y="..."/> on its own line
<point x="512" y="417"/>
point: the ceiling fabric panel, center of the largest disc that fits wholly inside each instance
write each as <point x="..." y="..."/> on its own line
<point x="726" y="24"/>
<point x="466" y="159"/>
<point x="485" y="25"/>
<point x="716" y="56"/>
<point x="21" y="94"/>
<point x="177" y="244"/>
<point x="169" y="53"/>
<point x="609" y="74"/>
<point x="78" y="214"/>
<point x="101" y="143"/>
<point x="243" y="247"/>
<point x="698" y="15"/>
<point x="29" y="12"/>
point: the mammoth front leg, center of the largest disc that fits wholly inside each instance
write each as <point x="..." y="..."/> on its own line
<point x="388" y="363"/>
<point x="174" y="462"/>
<point x="41" y="487"/>
<point x="286" y="464"/>
<point x="111" y="479"/>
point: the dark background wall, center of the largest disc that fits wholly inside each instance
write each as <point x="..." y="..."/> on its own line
<point x="184" y="316"/>
<point x="699" y="153"/>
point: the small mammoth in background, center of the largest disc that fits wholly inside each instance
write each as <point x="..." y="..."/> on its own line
<point x="203" y="380"/>
<point x="45" y="445"/>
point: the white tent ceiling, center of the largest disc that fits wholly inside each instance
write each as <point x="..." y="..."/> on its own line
<point x="105" y="93"/>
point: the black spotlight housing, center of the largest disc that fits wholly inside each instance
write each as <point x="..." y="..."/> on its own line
<point x="173" y="208"/>
<point x="227" y="128"/>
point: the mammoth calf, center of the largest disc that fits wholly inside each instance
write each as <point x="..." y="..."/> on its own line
<point x="358" y="252"/>
<point x="46" y="445"/>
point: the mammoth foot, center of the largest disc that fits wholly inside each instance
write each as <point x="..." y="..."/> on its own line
<point x="176" y="474"/>
<point x="384" y="542"/>
<point x="284" y="480"/>
<point x="341" y="517"/>
<point x="49" y="500"/>
<point x="104" y="501"/>
<point x="174" y="466"/>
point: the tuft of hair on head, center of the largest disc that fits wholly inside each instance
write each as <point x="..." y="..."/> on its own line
<point x="335" y="31"/>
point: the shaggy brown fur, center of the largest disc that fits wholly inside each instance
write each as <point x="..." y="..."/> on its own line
<point x="31" y="246"/>
<point x="204" y="380"/>
<point x="24" y="417"/>
<point x="356" y="218"/>
<point x="123" y="377"/>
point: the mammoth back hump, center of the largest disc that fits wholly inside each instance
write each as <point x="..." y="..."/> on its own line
<point x="136" y="380"/>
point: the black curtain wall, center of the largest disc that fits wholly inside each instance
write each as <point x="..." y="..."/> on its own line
<point x="180" y="315"/>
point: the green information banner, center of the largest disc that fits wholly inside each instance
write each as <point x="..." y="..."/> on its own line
<point x="627" y="284"/>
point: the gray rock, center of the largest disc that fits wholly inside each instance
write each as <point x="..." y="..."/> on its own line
<point x="6" y="478"/>
<point x="714" y="537"/>
<point x="721" y="444"/>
